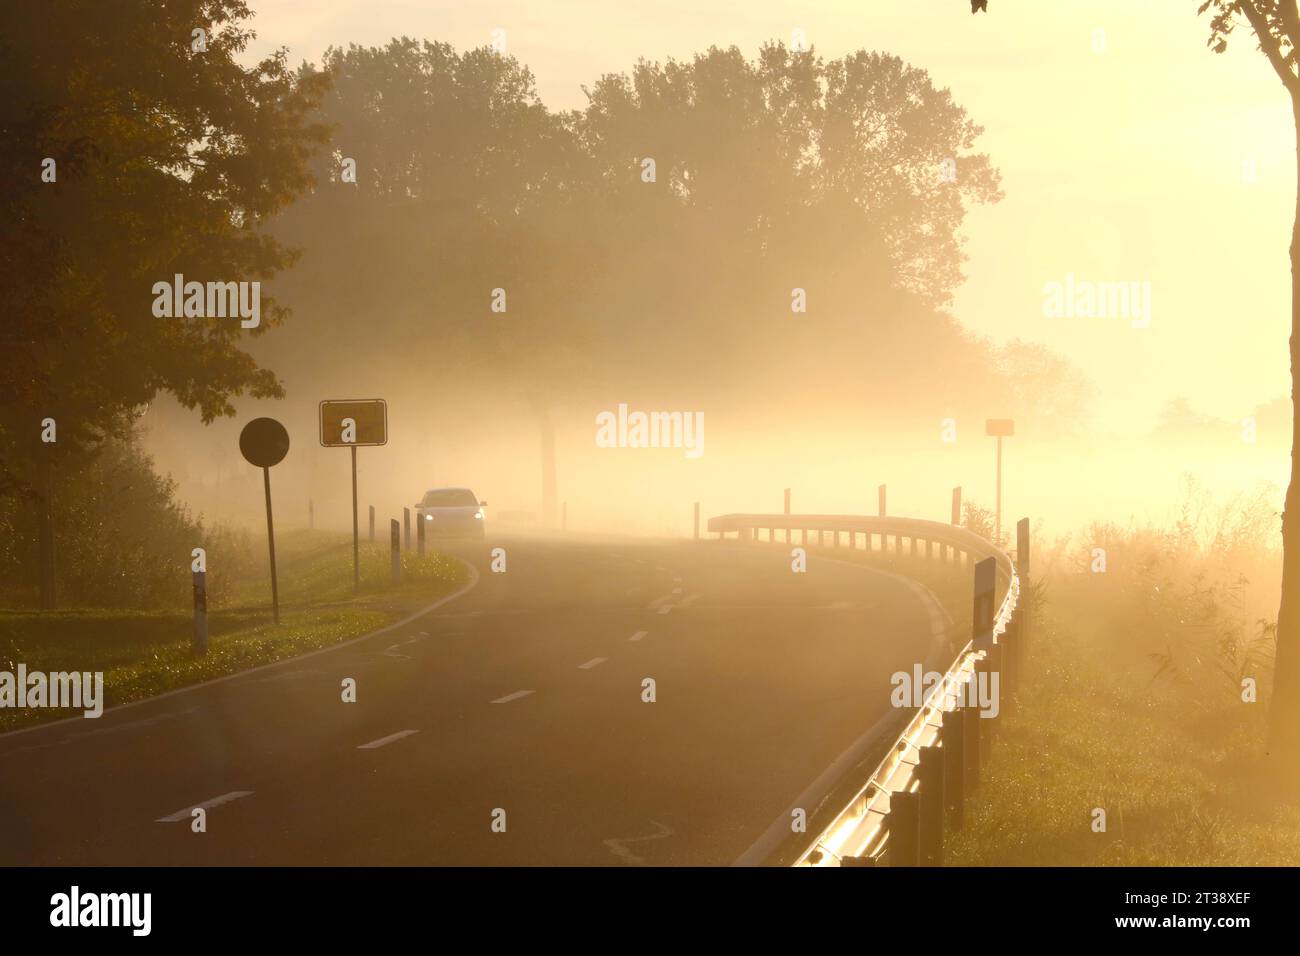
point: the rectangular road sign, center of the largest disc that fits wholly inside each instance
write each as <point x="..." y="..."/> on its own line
<point x="368" y="415"/>
<point x="999" y="426"/>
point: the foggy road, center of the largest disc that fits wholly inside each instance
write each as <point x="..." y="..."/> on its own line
<point x="522" y="694"/>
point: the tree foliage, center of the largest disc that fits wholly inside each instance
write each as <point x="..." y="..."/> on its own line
<point x="168" y="160"/>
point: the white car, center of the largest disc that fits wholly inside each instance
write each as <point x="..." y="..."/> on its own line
<point x="451" y="512"/>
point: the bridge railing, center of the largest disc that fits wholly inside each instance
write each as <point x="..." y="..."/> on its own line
<point x="917" y="791"/>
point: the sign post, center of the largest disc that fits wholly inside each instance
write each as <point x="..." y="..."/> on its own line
<point x="1000" y="428"/>
<point x="264" y="442"/>
<point x="349" y="423"/>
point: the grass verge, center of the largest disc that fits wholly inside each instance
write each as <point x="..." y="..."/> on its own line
<point x="143" y="653"/>
<point x="1177" y="765"/>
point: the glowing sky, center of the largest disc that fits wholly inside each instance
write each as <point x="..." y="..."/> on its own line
<point x="1120" y="165"/>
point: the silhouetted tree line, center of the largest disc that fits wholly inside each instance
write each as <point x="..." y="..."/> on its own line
<point x="846" y="178"/>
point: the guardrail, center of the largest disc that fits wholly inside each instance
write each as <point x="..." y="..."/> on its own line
<point x="898" y="817"/>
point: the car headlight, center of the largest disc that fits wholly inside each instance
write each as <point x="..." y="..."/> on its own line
<point x="428" y="517"/>
<point x="479" y="515"/>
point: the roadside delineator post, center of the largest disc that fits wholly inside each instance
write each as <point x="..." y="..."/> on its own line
<point x="697" y="521"/>
<point x="406" y="523"/>
<point x="880" y="492"/>
<point x="395" y="547"/>
<point x="200" y="612"/>
<point x="956" y="505"/>
<point x="419" y="535"/>
<point x="372" y="522"/>
<point x="311" y="514"/>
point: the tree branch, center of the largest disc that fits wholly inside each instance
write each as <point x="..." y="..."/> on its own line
<point x="1269" y="43"/>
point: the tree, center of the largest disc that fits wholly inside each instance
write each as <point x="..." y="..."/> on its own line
<point x="133" y="147"/>
<point x="1276" y="25"/>
<point x="167" y="160"/>
<point x="773" y="172"/>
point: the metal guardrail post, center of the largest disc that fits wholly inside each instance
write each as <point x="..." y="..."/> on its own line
<point x="930" y="777"/>
<point x="1023" y="548"/>
<point x="419" y="535"/>
<point x="904" y="823"/>
<point x="984" y="670"/>
<point x="372" y="522"/>
<point x="952" y="737"/>
<point x="1009" y="645"/>
<point x="406" y="522"/>
<point x="970" y="745"/>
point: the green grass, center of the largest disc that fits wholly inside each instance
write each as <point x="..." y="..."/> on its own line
<point x="143" y="653"/>
<point x="1178" y="765"/>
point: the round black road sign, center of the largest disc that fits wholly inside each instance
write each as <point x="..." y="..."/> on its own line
<point x="264" y="442"/>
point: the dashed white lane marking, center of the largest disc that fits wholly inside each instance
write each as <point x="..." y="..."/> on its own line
<point x="661" y="600"/>
<point x="619" y="845"/>
<point x="594" y="662"/>
<point x="185" y="814"/>
<point x="515" y="696"/>
<point x="689" y="600"/>
<point x="392" y="649"/>
<point x="383" y="741"/>
<point x="677" y="590"/>
<point x="677" y="579"/>
<point x="638" y="635"/>
<point x="664" y="609"/>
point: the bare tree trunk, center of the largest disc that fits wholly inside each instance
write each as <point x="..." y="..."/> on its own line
<point x="548" y="464"/>
<point x="1284" y="704"/>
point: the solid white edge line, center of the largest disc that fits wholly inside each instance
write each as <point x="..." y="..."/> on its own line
<point x="812" y="795"/>
<point x="445" y="599"/>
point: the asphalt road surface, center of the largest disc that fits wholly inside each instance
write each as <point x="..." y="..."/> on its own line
<point x="523" y="694"/>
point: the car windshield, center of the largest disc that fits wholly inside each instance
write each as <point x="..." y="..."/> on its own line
<point x="449" y="498"/>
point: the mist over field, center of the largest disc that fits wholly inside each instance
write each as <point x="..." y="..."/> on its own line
<point x="580" y="435"/>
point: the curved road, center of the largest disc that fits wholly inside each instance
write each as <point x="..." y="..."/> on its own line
<point x="524" y="694"/>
